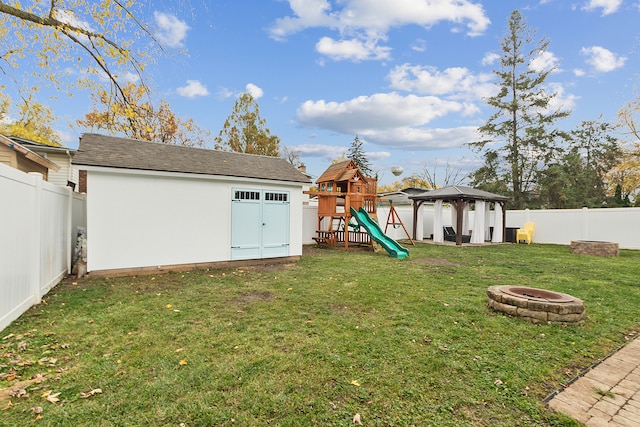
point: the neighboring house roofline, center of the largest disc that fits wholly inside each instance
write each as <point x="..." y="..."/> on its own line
<point x="29" y="154"/>
<point x="42" y="147"/>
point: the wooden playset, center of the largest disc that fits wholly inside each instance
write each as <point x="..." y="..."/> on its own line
<point x="342" y="187"/>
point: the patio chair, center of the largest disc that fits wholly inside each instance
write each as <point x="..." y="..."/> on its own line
<point x="526" y="233"/>
<point x="450" y="235"/>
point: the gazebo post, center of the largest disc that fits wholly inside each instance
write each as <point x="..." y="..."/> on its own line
<point x="416" y="206"/>
<point x="504" y="220"/>
<point x="458" y="204"/>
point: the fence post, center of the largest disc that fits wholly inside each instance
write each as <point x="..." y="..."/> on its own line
<point x="36" y="276"/>
<point x="68" y="232"/>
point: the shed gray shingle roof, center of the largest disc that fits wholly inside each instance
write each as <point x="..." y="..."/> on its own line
<point x="114" y="152"/>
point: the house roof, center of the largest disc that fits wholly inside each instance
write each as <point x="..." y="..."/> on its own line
<point x="123" y="153"/>
<point x="339" y="172"/>
<point x="457" y="192"/>
<point x="395" y="197"/>
<point x="44" y="148"/>
<point x="29" y="154"/>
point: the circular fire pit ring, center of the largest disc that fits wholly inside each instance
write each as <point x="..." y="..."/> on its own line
<point x="536" y="305"/>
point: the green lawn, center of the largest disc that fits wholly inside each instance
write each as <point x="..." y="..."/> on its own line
<point x="400" y="342"/>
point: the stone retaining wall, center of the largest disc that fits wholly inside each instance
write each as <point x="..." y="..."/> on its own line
<point x="594" y="248"/>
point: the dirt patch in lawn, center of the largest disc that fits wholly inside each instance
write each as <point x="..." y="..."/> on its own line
<point x="255" y="297"/>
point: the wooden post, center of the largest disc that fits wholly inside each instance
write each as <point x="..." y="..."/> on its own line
<point x="459" y="207"/>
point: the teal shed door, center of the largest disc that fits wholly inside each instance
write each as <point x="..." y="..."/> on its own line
<point x="259" y="224"/>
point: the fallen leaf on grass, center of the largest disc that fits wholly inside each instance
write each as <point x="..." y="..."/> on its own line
<point x="18" y="392"/>
<point x="37" y="409"/>
<point x="23" y="345"/>
<point x="356" y="419"/>
<point x="355" y="383"/>
<point x="6" y="408"/>
<point x="38" y="378"/>
<point x="90" y="393"/>
<point x="169" y="306"/>
<point x="53" y="398"/>
<point x="182" y="362"/>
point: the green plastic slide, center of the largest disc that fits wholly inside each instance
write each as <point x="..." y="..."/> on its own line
<point x="373" y="229"/>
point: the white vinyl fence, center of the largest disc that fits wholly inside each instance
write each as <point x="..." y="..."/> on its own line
<point x="554" y="226"/>
<point x="37" y="231"/>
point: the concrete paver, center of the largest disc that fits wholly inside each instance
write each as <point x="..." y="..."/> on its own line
<point x="608" y="395"/>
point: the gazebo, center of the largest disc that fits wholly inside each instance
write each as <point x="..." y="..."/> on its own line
<point x="460" y="197"/>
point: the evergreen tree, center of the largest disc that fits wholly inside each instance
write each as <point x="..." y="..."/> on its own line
<point x="359" y="157"/>
<point x="523" y="122"/>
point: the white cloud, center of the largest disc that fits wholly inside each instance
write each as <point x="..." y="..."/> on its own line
<point x="407" y="138"/>
<point x="254" y="90"/>
<point x="328" y="152"/>
<point x="378" y="111"/>
<point x="455" y="82"/>
<point x="578" y="72"/>
<point x="69" y="17"/>
<point x="388" y="119"/>
<point x="544" y="62"/>
<point x="331" y="152"/>
<point x="192" y="89"/>
<point x="419" y="45"/>
<point x="361" y="24"/>
<point x="225" y="93"/>
<point x="490" y="58"/>
<point x="171" y="31"/>
<point x="128" y="77"/>
<point x="601" y="59"/>
<point x="562" y="100"/>
<point x="608" y="6"/>
<point x="377" y="155"/>
<point x="308" y="14"/>
<point x="355" y="50"/>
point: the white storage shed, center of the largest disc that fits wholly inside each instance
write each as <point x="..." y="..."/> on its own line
<point x="154" y="207"/>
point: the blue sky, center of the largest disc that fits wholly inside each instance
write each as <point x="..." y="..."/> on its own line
<point x="407" y="76"/>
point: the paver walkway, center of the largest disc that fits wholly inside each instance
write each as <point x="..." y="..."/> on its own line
<point x="608" y="394"/>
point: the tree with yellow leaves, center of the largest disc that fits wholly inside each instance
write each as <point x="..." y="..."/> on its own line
<point x="138" y="118"/>
<point x="34" y="121"/>
<point x="245" y="131"/>
<point x="624" y="178"/>
<point x="96" y="37"/>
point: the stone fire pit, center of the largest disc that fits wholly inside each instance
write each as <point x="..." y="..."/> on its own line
<point x="536" y="305"/>
<point x="595" y="248"/>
